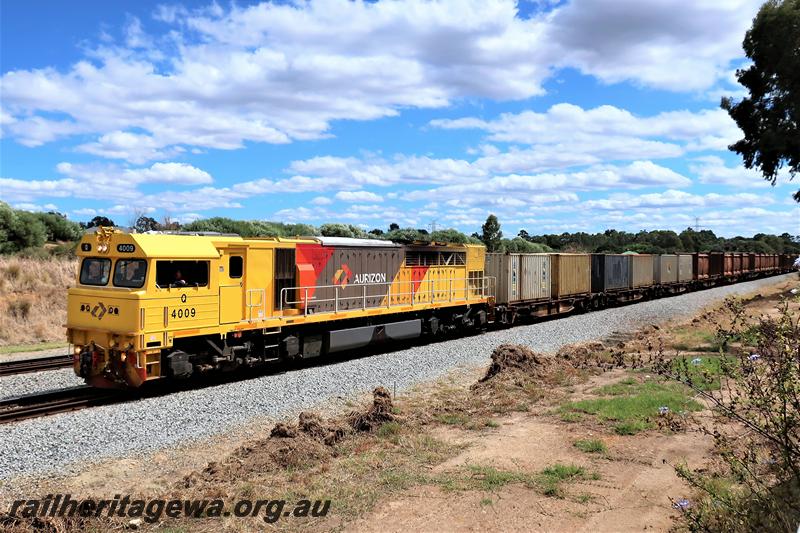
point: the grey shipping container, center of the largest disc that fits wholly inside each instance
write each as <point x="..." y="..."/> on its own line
<point x="685" y="271"/>
<point x="665" y="269"/>
<point x="520" y="277"/>
<point x="571" y="275"/>
<point x="505" y="269"/>
<point x="534" y="277"/>
<point x="641" y="270"/>
<point x="610" y="272"/>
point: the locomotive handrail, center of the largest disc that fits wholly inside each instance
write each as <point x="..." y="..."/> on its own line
<point x="482" y="287"/>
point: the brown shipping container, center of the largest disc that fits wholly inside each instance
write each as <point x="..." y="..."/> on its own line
<point x="701" y="263"/>
<point x="665" y="269"/>
<point x="685" y="271"/>
<point x="571" y="274"/>
<point x="641" y="270"/>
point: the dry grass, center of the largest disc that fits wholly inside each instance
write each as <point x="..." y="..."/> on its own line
<point x="33" y="299"/>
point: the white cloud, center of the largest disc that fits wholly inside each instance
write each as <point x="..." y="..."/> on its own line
<point x="321" y="200"/>
<point x="712" y="170"/>
<point x="25" y="206"/>
<point x="608" y="130"/>
<point x="680" y="46"/>
<point x="676" y="199"/>
<point x="358" y="196"/>
<point x="103" y="182"/>
<point x="275" y="73"/>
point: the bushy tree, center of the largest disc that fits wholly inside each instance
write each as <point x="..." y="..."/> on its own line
<point x="770" y="116"/>
<point x="99" y="221"/>
<point x="58" y="228"/>
<point x="491" y="234"/>
<point x="20" y="230"/>
<point x="406" y="235"/>
<point x="145" y="223"/>
<point x="449" y="235"/>
<point x="520" y="245"/>
<point x="344" y="230"/>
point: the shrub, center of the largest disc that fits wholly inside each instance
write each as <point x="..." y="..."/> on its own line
<point x="58" y="228"/>
<point x="19" y="308"/>
<point x="19" y="230"/>
<point x="520" y="245"/>
<point x="756" y="427"/>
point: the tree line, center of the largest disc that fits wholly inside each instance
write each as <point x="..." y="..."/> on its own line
<point x="27" y="232"/>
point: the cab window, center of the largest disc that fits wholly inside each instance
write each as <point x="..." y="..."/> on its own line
<point x="181" y="273"/>
<point x="235" y="266"/>
<point x="130" y="273"/>
<point x="95" y="271"/>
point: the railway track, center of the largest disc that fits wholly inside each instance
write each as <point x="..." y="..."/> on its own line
<point x="9" y="368"/>
<point x="58" y="401"/>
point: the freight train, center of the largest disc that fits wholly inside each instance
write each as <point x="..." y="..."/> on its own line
<point x="148" y="306"/>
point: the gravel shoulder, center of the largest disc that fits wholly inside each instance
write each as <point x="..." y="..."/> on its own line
<point x="62" y="444"/>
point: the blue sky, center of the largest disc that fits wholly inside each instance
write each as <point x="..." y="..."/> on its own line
<point x="576" y="115"/>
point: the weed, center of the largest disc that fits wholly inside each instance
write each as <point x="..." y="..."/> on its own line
<point x="389" y="429"/>
<point x="591" y="446"/>
<point x="550" y="480"/>
<point x="571" y="416"/>
<point x="453" y="419"/>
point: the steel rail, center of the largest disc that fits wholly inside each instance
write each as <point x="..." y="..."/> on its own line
<point x="9" y="368"/>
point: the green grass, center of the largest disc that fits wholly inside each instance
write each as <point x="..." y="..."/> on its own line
<point x="591" y="446"/>
<point x="551" y="479"/>
<point x="389" y="429"/>
<point x="632" y="427"/>
<point x="16" y="348"/>
<point x="631" y="406"/>
<point x="453" y="419"/>
<point x="705" y="374"/>
<point x="692" y="339"/>
<point x="480" y="477"/>
<point x="571" y="416"/>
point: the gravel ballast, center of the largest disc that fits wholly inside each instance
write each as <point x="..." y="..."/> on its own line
<point x="60" y="443"/>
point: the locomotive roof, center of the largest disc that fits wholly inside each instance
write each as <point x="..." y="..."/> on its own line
<point x="207" y="245"/>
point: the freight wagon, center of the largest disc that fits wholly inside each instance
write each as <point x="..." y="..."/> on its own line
<point x="536" y="285"/>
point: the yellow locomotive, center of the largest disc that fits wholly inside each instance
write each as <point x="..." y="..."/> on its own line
<point x="154" y="305"/>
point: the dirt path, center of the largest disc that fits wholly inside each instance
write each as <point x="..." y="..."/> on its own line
<point x="635" y="482"/>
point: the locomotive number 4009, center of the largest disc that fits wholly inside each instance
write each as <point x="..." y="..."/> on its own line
<point x="183" y="312"/>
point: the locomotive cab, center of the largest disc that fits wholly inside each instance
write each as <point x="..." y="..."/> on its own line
<point x="132" y="292"/>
